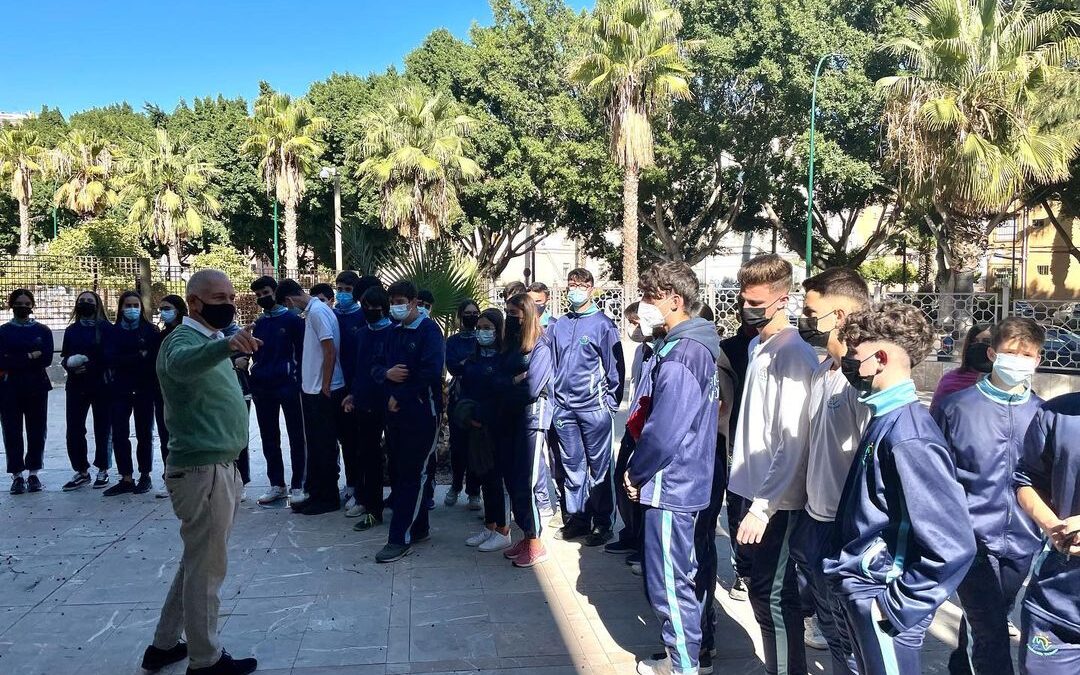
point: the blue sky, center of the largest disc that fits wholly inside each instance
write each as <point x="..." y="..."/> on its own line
<point x="77" y="54"/>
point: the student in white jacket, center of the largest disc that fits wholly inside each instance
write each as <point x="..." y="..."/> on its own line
<point x="771" y="443"/>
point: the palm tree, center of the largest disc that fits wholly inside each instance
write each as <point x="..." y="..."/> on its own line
<point x="414" y="150"/>
<point x="283" y="136"/>
<point x="166" y="187"/>
<point x="21" y="156"/>
<point x="86" y="163"/>
<point x="968" y="116"/>
<point x="634" y="62"/>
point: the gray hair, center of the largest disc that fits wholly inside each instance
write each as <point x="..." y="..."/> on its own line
<point x="201" y="280"/>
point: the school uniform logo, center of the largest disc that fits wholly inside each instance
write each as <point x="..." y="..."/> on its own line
<point x="584" y="340"/>
<point x="868" y="452"/>
<point x="1041" y="645"/>
<point x="834" y="401"/>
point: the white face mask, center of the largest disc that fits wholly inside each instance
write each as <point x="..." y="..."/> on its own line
<point x="1013" y="369"/>
<point x="638" y="336"/>
<point x="649" y="318"/>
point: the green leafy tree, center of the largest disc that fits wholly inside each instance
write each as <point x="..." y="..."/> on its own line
<point x="227" y="259"/>
<point x="415" y="151"/>
<point x="438" y="266"/>
<point x="976" y="118"/>
<point x="166" y="187"/>
<point x="21" y="156"/>
<point x="284" y="137"/>
<point x="634" y="62"/>
<point x="85" y="163"/>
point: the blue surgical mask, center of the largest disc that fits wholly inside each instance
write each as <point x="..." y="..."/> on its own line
<point x="423" y="311"/>
<point x="577" y="297"/>
<point x="399" y="312"/>
<point x="344" y="299"/>
<point x="1014" y="370"/>
<point x="168" y="315"/>
<point x="485" y="338"/>
<point x="132" y="314"/>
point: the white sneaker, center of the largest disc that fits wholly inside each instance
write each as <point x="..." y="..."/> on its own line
<point x="350" y="503"/>
<point x="243" y="495"/>
<point x="274" y="494"/>
<point x="451" y="497"/>
<point x="496" y="542"/>
<point x="654" y="666"/>
<point x="1013" y="630"/>
<point x="356" y="511"/>
<point x="812" y="634"/>
<point x="162" y="493"/>
<point x="475" y="503"/>
<point x="297" y="497"/>
<point x="479" y="538"/>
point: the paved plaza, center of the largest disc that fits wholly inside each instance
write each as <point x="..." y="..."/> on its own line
<point x="82" y="579"/>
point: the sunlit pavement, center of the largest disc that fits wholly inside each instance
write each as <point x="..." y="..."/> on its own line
<point x="82" y="579"/>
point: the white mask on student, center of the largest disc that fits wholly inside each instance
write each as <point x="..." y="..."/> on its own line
<point x="1014" y="370"/>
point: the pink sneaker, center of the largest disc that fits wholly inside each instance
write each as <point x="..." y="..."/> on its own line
<point x="531" y="557"/>
<point x="516" y="550"/>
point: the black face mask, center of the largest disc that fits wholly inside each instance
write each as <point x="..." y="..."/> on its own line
<point x="850" y="366"/>
<point x="977" y="359"/>
<point x="267" y="302"/>
<point x="808" y="331"/>
<point x="373" y="314"/>
<point x="22" y="312"/>
<point x="513" y="326"/>
<point x="540" y="309"/>
<point x="219" y="316"/>
<point x="468" y="322"/>
<point x="86" y="310"/>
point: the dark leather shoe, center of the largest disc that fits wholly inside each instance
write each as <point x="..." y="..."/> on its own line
<point x="155" y="659"/>
<point x="227" y="665"/>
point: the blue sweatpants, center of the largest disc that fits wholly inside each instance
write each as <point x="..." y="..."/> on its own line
<point x="585" y="445"/>
<point x="877" y="653"/>
<point x="670" y="567"/>
<point x="1046" y="647"/>
<point x="810" y="543"/>
<point x="705" y="550"/>
<point x="543" y="487"/>
<point x="987" y="595"/>
<point x="774" y="591"/>
<point x="411" y="443"/>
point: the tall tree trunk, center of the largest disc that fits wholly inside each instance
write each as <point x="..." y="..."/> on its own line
<point x="24" y="225"/>
<point x="291" y="261"/>
<point x="174" y="253"/>
<point x="630" y="234"/>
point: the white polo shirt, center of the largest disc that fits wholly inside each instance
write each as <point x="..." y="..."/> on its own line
<point x="319" y="326"/>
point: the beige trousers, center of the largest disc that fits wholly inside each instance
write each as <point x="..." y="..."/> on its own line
<point x="206" y="500"/>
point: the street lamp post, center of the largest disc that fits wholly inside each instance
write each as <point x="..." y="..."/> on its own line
<point x="332" y="172"/>
<point x="810" y="187"/>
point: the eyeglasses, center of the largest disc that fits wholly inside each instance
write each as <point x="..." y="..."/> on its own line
<point x="582" y="286"/>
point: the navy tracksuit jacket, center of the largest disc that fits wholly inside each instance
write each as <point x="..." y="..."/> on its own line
<point x="412" y="431"/>
<point x="904" y="540"/>
<point x="984" y="428"/>
<point x="672" y="467"/>
<point x="275" y="391"/>
<point x="587" y="385"/>
<point x="1050" y="626"/>
<point x="86" y="391"/>
<point x="369" y="404"/>
<point x="24" y="393"/>
<point x="350" y="321"/>
<point x="460" y="347"/>
<point x="130" y="354"/>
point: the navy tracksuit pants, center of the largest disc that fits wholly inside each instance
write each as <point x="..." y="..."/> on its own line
<point x="877" y="653"/>
<point x="543" y="489"/>
<point x="321" y="473"/>
<point x="411" y="441"/>
<point x="705" y="551"/>
<point x="558" y="474"/>
<point x="669" y="567"/>
<point x="987" y="595"/>
<point x="369" y="490"/>
<point x="629" y="510"/>
<point x="80" y="400"/>
<point x="810" y="544"/>
<point x="585" y="448"/>
<point x="125" y="403"/>
<point x="17" y="407"/>
<point x="522" y="478"/>
<point x="774" y="591"/>
<point x="345" y="424"/>
<point x="459" y="462"/>
<point x="1049" y="645"/>
<point x="270" y="404"/>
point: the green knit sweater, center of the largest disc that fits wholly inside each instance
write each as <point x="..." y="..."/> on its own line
<point x="205" y="411"/>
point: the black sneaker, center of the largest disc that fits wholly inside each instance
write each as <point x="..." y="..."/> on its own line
<point x="18" y="485"/>
<point x="155" y="659"/>
<point x="417" y="539"/>
<point x="620" y="547"/>
<point x="102" y="480"/>
<point x="634" y="558"/>
<point x="79" y="480"/>
<point x="738" y="590"/>
<point x="144" y="485"/>
<point x="227" y="665"/>
<point x="366" y="522"/>
<point x="34" y="484"/>
<point x="392" y="553"/>
<point x="573" y="530"/>
<point x="124" y="487"/>
<point x="705" y="662"/>
<point x="598" y="537"/>
<point x="310" y="508"/>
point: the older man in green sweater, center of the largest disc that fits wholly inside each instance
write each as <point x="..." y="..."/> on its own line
<point x="208" y="427"/>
